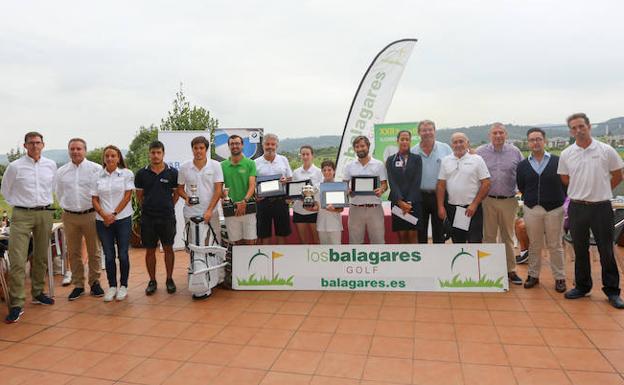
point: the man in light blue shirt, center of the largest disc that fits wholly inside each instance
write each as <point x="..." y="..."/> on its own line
<point x="539" y="165"/>
<point x="431" y="152"/>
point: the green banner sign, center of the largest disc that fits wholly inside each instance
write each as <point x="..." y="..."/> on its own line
<point x="386" y="138"/>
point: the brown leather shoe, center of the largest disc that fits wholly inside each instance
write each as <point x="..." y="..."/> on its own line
<point x="560" y="285"/>
<point x="530" y="282"/>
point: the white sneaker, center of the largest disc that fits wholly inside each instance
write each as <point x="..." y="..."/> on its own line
<point x="122" y="293"/>
<point x="110" y="294"/>
<point x="67" y="278"/>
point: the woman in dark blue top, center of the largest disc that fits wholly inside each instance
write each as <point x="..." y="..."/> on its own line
<point x="404" y="174"/>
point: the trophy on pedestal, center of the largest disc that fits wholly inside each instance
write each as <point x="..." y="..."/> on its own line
<point x="193" y="198"/>
<point x="229" y="208"/>
<point x="308" y="192"/>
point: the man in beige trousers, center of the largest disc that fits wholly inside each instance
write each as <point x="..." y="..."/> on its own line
<point x="73" y="190"/>
<point x="501" y="206"/>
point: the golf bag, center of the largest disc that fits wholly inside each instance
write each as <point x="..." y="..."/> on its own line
<point x="207" y="258"/>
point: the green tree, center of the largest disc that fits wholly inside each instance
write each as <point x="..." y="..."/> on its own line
<point x="95" y="155"/>
<point x="184" y="117"/>
<point x="137" y="155"/>
<point x="15" y="154"/>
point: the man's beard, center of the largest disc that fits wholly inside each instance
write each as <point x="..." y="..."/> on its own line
<point x="362" y="154"/>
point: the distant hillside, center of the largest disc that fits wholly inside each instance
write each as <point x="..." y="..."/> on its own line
<point x="477" y="134"/>
<point x="293" y="144"/>
<point x="59" y="156"/>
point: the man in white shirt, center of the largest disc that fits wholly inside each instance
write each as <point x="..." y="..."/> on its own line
<point x="467" y="180"/>
<point x="27" y="185"/>
<point x="205" y="175"/>
<point x="591" y="170"/>
<point x="274" y="210"/>
<point x="365" y="211"/>
<point x="74" y="182"/>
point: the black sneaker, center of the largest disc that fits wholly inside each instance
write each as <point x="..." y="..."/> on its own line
<point x="43" y="299"/>
<point x="560" y="285"/>
<point x="531" y="282"/>
<point x="171" y="287"/>
<point x="200" y="297"/>
<point x="76" y="293"/>
<point x="14" y="314"/>
<point x="151" y="288"/>
<point x="523" y="257"/>
<point x="513" y="278"/>
<point x="96" y="289"/>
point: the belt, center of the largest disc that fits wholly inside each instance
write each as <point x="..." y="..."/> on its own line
<point x="37" y="208"/>
<point x="274" y="199"/>
<point x="428" y="191"/>
<point x="588" y="203"/>
<point x="366" y="205"/>
<point x="501" y="196"/>
<point x="80" y="212"/>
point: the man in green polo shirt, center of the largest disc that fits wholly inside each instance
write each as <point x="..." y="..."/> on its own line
<point x="239" y="176"/>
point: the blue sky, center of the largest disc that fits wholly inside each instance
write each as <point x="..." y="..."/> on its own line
<point x="102" y="69"/>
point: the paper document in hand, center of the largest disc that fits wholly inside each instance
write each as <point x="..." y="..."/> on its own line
<point x="461" y="221"/>
<point x="396" y="210"/>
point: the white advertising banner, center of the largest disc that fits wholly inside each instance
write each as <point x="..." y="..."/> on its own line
<point x="177" y="151"/>
<point x="439" y="267"/>
<point x="373" y="98"/>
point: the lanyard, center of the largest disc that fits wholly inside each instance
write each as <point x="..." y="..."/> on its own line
<point x="403" y="161"/>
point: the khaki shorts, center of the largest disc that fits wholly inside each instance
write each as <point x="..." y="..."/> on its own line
<point x="243" y="227"/>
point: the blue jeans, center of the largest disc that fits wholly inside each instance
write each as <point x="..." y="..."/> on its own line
<point x="119" y="233"/>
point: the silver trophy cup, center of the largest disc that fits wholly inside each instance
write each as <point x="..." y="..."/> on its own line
<point x="193" y="198"/>
<point x="308" y="192"/>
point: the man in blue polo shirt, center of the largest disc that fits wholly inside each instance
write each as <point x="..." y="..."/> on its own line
<point x="156" y="189"/>
<point x="431" y="151"/>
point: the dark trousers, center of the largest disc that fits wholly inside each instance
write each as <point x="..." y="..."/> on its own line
<point x="429" y="208"/>
<point x="475" y="230"/>
<point x="598" y="218"/>
<point x="117" y="233"/>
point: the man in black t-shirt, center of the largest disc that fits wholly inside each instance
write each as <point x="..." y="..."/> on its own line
<point x="156" y="189"/>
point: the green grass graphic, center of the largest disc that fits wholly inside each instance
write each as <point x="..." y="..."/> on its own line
<point x="469" y="282"/>
<point x="252" y="280"/>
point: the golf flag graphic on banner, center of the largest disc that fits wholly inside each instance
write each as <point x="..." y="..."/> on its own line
<point x="480" y="256"/>
<point x="274" y="256"/>
<point x="373" y="98"/>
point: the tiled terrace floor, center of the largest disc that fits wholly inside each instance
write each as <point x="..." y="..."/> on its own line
<point x="341" y="338"/>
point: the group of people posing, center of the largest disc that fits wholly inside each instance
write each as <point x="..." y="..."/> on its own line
<point x="432" y="181"/>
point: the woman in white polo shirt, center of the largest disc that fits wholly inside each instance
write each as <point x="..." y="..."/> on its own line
<point x="111" y="196"/>
<point x="305" y="220"/>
